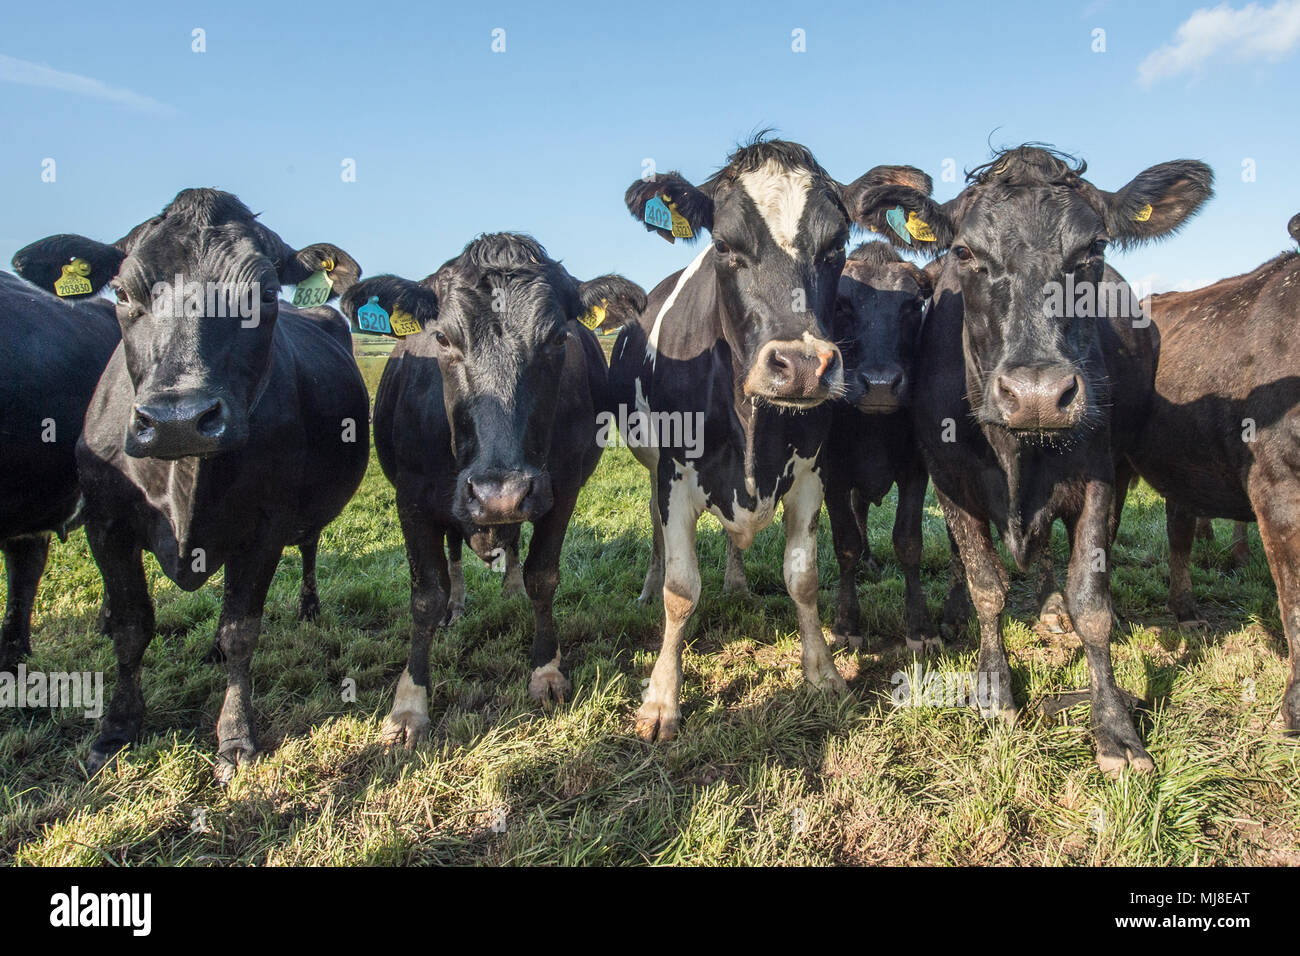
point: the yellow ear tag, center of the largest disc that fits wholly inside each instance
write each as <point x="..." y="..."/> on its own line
<point x="681" y="228"/>
<point x="595" y="316"/>
<point x="403" y="323"/>
<point x="1143" y="214"/>
<point x="74" y="281"/>
<point x="919" y="228"/>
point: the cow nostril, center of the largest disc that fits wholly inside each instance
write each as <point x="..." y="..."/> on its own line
<point x="778" y="363"/>
<point x="1006" y="394"/>
<point x="1068" y="396"/>
<point x="212" y="423"/>
<point x="143" y="421"/>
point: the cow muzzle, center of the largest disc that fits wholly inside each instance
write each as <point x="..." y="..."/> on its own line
<point x="1044" y="399"/>
<point x="180" y="425"/>
<point x="797" y="373"/>
<point x="493" y="497"/>
<point x="881" y="389"/>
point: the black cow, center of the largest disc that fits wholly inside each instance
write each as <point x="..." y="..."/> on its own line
<point x="226" y="426"/>
<point x="55" y="348"/>
<point x="871" y="447"/>
<point x="1034" y="379"/>
<point x="735" y="357"/>
<point x="1223" y="435"/>
<point x="488" y="416"/>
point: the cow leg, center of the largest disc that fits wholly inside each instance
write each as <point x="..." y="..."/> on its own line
<point x="654" y="576"/>
<point x="1240" y="545"/>
<point x="733" y="581"/>
<point x="861" y="509"/>
<point x="660" y="714"/>
<point x="1051" y="603"/>
<point x="956" y="603"/>
<point x="803" y="506"/>
<point x="456" y="575"/>
<point x="1180" y="526"/>
<point x="846" y="539"/>
<point x="986" y="579"/>
<point x="308" y="599"/>
<point x="248" y="577"/>
<point x="1279" y="530"/>
<point x="512" y="585"/>
<point x="1088" y="595"/>
<point x="24" y="563"/>
<point x="127" y="617"/>
<point x="408" y="721"/>
<point x="1204" y="530"/>
<point x="541" y="578"/>
<point x="907" y="548"/>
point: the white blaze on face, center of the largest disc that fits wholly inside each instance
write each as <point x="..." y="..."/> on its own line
<point x="780" y="196"/>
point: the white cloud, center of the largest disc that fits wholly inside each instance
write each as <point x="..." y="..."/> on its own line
<point x="27" y="73"/>
<point x="1253" y="32"/>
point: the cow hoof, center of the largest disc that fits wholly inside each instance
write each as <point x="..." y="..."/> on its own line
<point x="1054" y="618"/>
<point x="1115" y="757"/>
<point x="1193" y="622"/>
<point x="548" y="684"/>
<point x="513" y="587"/>
<point x="846" y="638"/>
<point x="657" y="722"/>
<point x="232" y="755"/>
<point x="824" y="677"/>
<point x="102" y="755"/>
<point x="405" y="728"/>
<point x="309" y="607"/>
<point x="454" y="613"/>
<point x="924" y="645"/>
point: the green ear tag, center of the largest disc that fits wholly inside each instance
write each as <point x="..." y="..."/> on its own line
<point x="898" y="222"/>
<point x="74" y="281"/>
<point x="313" y="290"/>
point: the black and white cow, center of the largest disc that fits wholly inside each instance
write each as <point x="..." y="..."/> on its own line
<point x="55" y="347"/>
<point x="227" y="426"/>
<point x="1035" y="377"/>
<point x="737" y="350"/>
<point x="488" y="415"/>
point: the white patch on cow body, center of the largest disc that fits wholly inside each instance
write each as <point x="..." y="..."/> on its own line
<point x="652" y="344"/>
<point x="744" y="523"/>
<point x="780" y="196"/>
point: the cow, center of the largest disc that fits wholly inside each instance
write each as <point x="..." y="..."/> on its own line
<point x="490" y="413"/>
<point x="1223" y="435"/>
<point x="870" y="446"/>
<point x="1035" y="374"/>
<point x="737" y="350"/>
<point x="226" y="426"/>
<point x="56" y="346"/>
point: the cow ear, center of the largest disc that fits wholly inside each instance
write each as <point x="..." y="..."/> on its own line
<point x="609" y="302"/>
<point x="389" y="305"/>
<point x="1158" y="201"/>
<point x="669" y="205"/>
<point x="923" y="282"/>
<point x="42" y="263"/>
<point x="908" y="176"/>
<point x="1293" y="227"/>
<point x="907" y="217"/>
<point x="341" y="268"/>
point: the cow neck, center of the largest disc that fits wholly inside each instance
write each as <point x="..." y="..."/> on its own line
<point x="742" y="404"/>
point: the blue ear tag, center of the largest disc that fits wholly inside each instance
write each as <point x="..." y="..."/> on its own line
<point x="372" y="317"/>
<point x="659" y="215"/>
<point x="897" y="220"/>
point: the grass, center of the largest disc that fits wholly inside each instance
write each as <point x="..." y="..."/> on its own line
<point x="764" y="772"/>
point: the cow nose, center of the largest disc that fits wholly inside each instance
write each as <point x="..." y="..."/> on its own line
<point x="882" y="385"/>
<point x="1040" y="398"/>
<point x="499" y="497"/>
<point x="799" y="370"/>
<point x="177" y="427"/>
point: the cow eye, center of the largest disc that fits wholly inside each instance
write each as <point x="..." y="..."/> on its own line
<point x="1098" y="248"/>
<point x="442" y="339"/>
<point x="720" y="247"/>
<point x="270" y="293"/>
<point x="122" y="297"/>
<point x="962" y="253"/>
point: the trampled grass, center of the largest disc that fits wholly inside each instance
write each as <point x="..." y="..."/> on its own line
<point x="764" y="772"/>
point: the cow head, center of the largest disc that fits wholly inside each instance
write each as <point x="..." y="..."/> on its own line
<point x="881" y="301"/>
<point x="1293" y="227"/>
<point x="1027" y="227"/>
<point x="197" y="291"/>
<point x="499" y="320"/>
<point x="779" y="229"/>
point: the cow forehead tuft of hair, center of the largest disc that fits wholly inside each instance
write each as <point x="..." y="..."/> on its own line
<point x="874" y="253"/>
<point x="504" y="252"/>
<point x="1032" y="164"/>
<point x="208" y="206"/>
<point x="781" y="154"/>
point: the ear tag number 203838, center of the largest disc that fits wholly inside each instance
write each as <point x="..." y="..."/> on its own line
<point x="74" y="280"/>
<point x="316" y="288"/>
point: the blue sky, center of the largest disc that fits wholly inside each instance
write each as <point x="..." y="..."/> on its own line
<point x="451" y="139"/>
